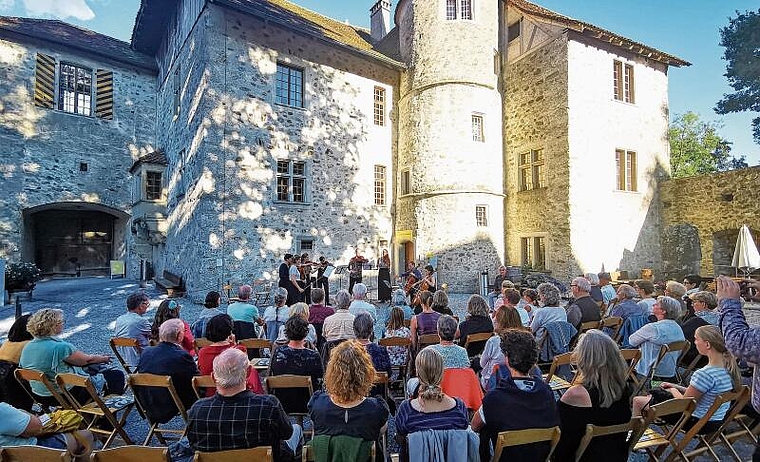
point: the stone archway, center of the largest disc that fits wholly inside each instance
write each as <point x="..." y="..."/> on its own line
<point x="74" y="238"/>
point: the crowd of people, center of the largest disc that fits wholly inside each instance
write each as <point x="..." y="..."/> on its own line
<point x="337" y="347"/>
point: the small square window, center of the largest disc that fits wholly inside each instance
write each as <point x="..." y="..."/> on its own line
<point x="477" y="128"/>
<point x="83" y="166"/>
<point x="291" y="181"/>
<point x="306" y="244"/>
<point x="481" y="215"/>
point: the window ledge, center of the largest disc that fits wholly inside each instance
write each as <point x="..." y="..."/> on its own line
<point x="542" y="188"/>
<point x="620" y="101"/>
<point x="624" y="191"/>
<point x="61" y="111"/>
<point x="288" y="106"/>
<point x="291" y="204"/>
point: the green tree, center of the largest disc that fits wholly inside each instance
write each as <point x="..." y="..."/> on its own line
<point x="696" y="148"/>
<point x="741" y="38"/>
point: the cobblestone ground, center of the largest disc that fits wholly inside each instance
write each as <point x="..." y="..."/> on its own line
<point x="92" y="304"/>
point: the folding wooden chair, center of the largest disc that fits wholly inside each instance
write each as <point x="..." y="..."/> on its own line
<point x="614" y="323"/>
<point x="680" y="347"/>
<point x="704" y="441"/>
<point x="201" y="383"/>
<point x="479" y="340"/>
<point x="46" y="403"/>
<point x="632" y="429"/>
<point x="259" y="454"/>
<point x="588" y="325"/>
<point x="131" y="454"/>
<point x="256" y="346"/>
<point x="654" y="442"/>
<point x="148" y="381"/>
<point x="33" y="454"/>
<point x="200" y="343"/>
<point x="743" y="421"/>
<point x="124" y="342"/>
<point x="631" y="356"/>
<point x="564" y="359"/>
<point x="521" y="437"/>
<point x="427" y="339"/>
<point x="289" y="381"/>
<point x="98" y="408"/>
<point x="399" y="342"/>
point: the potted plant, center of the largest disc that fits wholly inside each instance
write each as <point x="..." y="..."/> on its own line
<point x="21" y="277"/>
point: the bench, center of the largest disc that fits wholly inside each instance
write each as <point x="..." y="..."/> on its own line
<point x="172" y="284"/>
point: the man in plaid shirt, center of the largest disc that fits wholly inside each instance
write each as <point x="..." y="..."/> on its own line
<point x="235" y="418"/>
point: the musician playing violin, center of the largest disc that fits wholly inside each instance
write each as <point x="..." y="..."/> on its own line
<point x="321" y="279"/>
<point x="355" y="270"/>
<point x="305" y="268"/>
<point x="296" y="283"/>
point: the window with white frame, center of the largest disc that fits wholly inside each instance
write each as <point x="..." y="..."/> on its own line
<point x="291" y="181"/>
<point x="533" y="252"/>
<point x="531" y="170"/>
<point x="458" y="9"/>
<point x="625" y="167"/>
<point x="75" y="89"/>
<point x="379" y="106"/>
<point x="379" y="184"/>
<point x="477" y="128"/>
<point x="623" y="83"/>
<point x="289" y="88"/>
<point x="481" y="215"/>
<point x="406" y="185"/>
<point x="465" y="9"/>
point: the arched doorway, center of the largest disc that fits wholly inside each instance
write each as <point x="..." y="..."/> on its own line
<point x="74" y="238"/>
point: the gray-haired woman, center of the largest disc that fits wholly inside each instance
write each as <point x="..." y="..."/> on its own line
<point x="652" y="336"/>
<point x="454" y="356"/>
<point x="550" y="311"/>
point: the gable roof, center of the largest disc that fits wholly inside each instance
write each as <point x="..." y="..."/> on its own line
<point x="154" y="158"/>
<point x="155" y="13"/>
<point x="78" y="38"/>
<point x="590" y="30"/>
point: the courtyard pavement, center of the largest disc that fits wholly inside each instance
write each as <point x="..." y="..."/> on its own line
<point x="91" y="306"/>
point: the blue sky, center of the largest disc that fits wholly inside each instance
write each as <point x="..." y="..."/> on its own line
<point x="688" y="29"/>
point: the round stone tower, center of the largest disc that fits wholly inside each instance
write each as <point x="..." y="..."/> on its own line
<point x="450" y="166"/>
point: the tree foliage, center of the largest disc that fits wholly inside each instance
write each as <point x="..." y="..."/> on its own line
<point x="741" y="38"/>
<point x="696" y="148"/>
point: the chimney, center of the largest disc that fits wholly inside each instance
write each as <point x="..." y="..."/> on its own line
<point x="380" y="19"/>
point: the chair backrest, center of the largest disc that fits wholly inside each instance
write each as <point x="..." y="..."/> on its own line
<point x="428" y="339"/>
<point x="614" y="323"/>
<point x="327" y="348"/>
<point x="24" y="376"/>
<point x="66" y="381"/>
<point x="124" y="342"/>
<point x="201" y="383"/>
<point x="395" y="342"/>
<point x="632" y="429"/>
<point x="682" y="407"/>
<point x="679" y="347"/>
<point x="631" y="356"/>
<point x="131" y="454"/>
<point x="477" y="342"/>
<point x="244" y="330"/>
<point x="558" y="361"/>
<point x="588" y="325"/>
<point x="464" y="384"/>
<point x="521" y="437"/>
<point x="256" y="343"/>
<point x="727" y="397"/>
<point x="33" y="454"/>
<point x="381" y="378"/>
<point x="137" y="381"/>
<point x="292" y="382"/>
<point x="259" y="454"/>
<point x="199" y="343"/>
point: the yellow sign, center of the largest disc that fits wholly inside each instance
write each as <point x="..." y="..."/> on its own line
<point x="117" y="268"/>
<point x="404" y="235"/>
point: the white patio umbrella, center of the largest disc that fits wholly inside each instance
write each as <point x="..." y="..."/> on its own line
<point x="746" y="256"/>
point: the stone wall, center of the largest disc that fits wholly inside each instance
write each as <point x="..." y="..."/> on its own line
<point x="229" y="225"/>
<point x="41" y="149"/>
<point x="716" y="206"/>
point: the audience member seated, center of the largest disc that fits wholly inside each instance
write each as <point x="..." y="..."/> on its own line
<point x="584" y="308"/>
<point x="596" y="291"/>
<point x="169" y="309"/>
<point x="236" y="418"/>
<point x="478" y="321"/>
<point x="363" y="328"/>
<point x="496" y="292"/>
<point x="132" y="324"/>
<point x="501" y="299"/>
<point x="440" y="303"/>
<point x="492" y="356"/>
<point x="19" y="428"/>
<point x="344" y="409"/>
<point x="318" y="311"/>
<point x="645" y="288"/>
<point x="512" y="300"/>
<point x="276" y="315"/>
<point x="53" y="356"/>
<point x="399" y="300"/>
<point x="168" y="358"/>
<point x="608" y="292"/>
<point x="432" y="409"/>
<point x="396" y="328"/>
<point x="721" y="374"/>
<point x="652" y="336"/>
<point x="600" y="397"/>
<point x="359" y="304"/>
<point x="211" y="309"/>
<point x="219" y="333"/>
<point x="243" y="310"/>
<point x="426" y="322"/>
<point x="676" y="290"/>
<point x="294" y="358"/>
<point x="529" y="302"/>
<point x="340" y="325"/>
<point x="454" y="356"/>
<point x="520" y="401"/>
<point x="704" y="304"/>
<point x="10" y="355"/>
<point x="299" y="309"/>
<point x="626" y="306"/>
<point x="549" y="297"/>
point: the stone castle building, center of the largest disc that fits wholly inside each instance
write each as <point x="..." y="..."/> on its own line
<point x="229" y="132"/>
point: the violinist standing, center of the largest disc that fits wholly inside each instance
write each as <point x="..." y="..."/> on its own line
<point x="322" y="281"/>
<point x="294" y="275"/>
<point x="305" y="269"/>
<point x="355" y="270"/>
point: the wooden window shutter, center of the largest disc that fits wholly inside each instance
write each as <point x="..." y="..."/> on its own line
<point x="104" y="95"/>
<point x="44" y="81"/>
